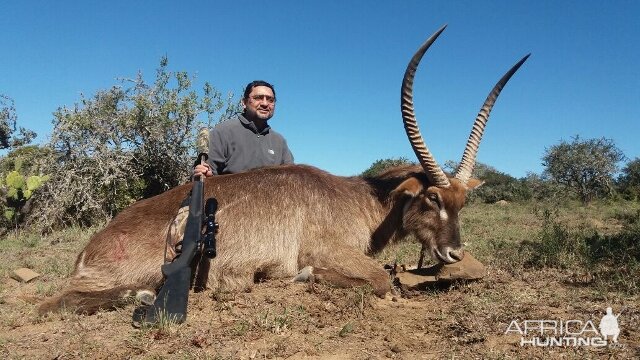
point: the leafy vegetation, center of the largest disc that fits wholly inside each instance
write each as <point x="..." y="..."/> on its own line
<point x="131" y="141"/>
<point x="610" y="261"/>
<point x="584" y="166"/>
<point x="19" y="175"/>
<point x="629" y="180"/>
<point x="381" y="165"/>
<point x="497" y="185"/>
<point x="11" y="136"/>
<point x="19" y="190"/>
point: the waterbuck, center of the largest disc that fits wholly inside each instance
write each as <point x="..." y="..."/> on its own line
<point x="275" y="221"/>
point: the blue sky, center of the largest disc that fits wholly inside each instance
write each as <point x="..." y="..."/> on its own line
<point x="337" y="67"/>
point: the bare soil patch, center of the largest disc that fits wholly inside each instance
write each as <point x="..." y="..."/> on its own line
<point x="282" y="319"/>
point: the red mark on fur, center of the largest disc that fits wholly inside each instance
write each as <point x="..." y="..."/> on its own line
<point x="119" y="252"/>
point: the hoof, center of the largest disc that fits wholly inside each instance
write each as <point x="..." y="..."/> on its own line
<point x="146" y="297"/>
<point x="305" y="274"/>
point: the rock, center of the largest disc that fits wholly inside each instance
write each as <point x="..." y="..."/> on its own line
<point x="412" y="280"/>
<point x="466" y="269"/>
<point x="24" y="275"/>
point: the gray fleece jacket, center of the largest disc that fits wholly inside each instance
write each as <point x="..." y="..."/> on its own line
<point x="236" y="145"/>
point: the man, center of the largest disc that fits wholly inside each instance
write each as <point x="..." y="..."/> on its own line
<point x="242" y="143"/>
<point x="247" y="142"/>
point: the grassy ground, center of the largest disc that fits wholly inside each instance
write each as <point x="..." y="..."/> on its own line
<point x="544" y="261"/>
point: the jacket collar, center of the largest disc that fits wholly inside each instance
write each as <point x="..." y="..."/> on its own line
<point x="251" y="126"/>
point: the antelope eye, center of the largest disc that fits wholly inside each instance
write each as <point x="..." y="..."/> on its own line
<point x="434" y="197"/>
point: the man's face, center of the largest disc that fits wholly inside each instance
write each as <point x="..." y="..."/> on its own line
<point x="261" y="103"/>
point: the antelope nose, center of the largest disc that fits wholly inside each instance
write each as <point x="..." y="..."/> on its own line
<point x="449" y="255"/>
<point x="455" y="254"/>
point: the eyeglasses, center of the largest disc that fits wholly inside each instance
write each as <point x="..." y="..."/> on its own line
<point x="270" y="99"/>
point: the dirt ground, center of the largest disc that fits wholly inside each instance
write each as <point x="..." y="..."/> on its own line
<point x="281" y="319"/>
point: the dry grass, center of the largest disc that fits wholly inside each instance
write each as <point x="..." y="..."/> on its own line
<point x="279" y="319"/>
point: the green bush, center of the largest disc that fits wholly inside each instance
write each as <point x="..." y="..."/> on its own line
<point x="616" y="258"/>
<point x="584" y="166"/>
<point x="629" y="181"/>
<point x="131" y="141"/>
<point x="497" y="185"/>
<point x="381" y="165"/>
<point x="9" y="139"/>
<point x="556" y="246"/>
<point x="19" y="179"/>
<point x="544" y="189"/>
<point x="611" y="261"/>
<point x="502" y="188"/>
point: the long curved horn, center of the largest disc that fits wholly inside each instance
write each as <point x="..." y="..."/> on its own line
<point x="429" y="164"/>
<point x="471" y="150"/>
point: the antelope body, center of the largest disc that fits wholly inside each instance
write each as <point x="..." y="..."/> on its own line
<point x="275" y="221"/>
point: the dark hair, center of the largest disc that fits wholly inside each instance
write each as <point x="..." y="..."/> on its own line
<point x="255" y="83"/>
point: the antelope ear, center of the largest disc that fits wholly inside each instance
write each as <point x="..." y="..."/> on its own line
<point x="473" y="184"/>
<point x="411" y="187"/>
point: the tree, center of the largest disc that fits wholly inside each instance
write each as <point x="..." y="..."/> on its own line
<point x="629" y="180"/>
<point x="383" y="164"/>
<point x="19" y="174"/>
<point x="18" y="183"/>
<point x="497" y="184"/>
<point x="8" y="120"/>
<point x="131" y="141"/>
<point x="543" y="188"/>
<point x="583" y="166"/>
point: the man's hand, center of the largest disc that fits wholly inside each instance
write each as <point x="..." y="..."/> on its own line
<point x="200" y="170"/>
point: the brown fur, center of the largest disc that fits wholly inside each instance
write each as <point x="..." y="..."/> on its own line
<point x="273" y="222"/>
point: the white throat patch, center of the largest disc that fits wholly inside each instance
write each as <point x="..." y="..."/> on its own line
<point x="443" y="214"/>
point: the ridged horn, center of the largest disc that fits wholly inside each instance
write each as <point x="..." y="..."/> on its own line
<point x="435" y="174"/>
<point x="463" y="173"/>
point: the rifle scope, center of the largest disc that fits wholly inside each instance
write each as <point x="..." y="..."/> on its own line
<point x="210" y="208"/>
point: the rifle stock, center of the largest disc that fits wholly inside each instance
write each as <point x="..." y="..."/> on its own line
<point x="172" y="299"/>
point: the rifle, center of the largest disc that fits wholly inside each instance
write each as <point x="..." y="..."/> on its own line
<point x="172" y="299"/>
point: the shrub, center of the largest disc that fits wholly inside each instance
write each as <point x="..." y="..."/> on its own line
<point x="542" y="188"/>
<point x="615" y="259"/>
<point x="383" y="164"/>
<point x="8" y="126"/>
<point x="497" y="185"/>
<point x="584" y="166"/>
<point x="629" y="181"/>
<point x="611" y="261"/>
<point x="19" y="175"/>
<point x="131" y="141"/>
<point x="556" y="246"/>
